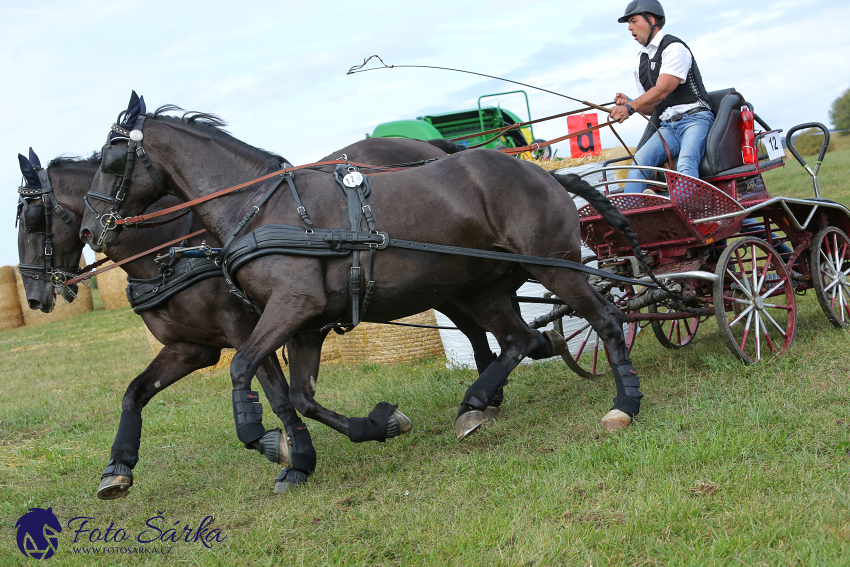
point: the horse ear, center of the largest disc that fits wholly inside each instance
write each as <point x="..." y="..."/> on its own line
<point x="142" y="108"/>
<point x="34" y="159"/>
<point x="133" y="108"/>
<point x="30" y="176"/>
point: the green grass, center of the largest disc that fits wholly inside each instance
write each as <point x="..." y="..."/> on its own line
<point x="726" y="465"/>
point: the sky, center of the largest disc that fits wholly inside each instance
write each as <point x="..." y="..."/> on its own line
<point x="276" y="71"/>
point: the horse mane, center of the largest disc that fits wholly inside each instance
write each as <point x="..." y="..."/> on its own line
<point x="67" y="160"/>
<point x="212" y="122"/>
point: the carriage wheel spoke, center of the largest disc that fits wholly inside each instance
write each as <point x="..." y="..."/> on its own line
<point x="743" y="272"/>
<point x="832" y="285"/>
<point x="773" y="289"/>
<point x="764" y="272"/>
<point x="746" y="331"/>
<point x="736" y="300"/>
<point x="775" y="324"/>
<point x="670" y="332"/>
<point x="743" y="314"/>
<point x="744" y="288"/>
<point x="766" y="335"/>
<point x="574" y="335"/>
<point x="595" y="354"/>
<point x="679" y="331"/>
<point x="755" y="269"/>
<point x="583" y="343"/>
<point x="776" y="306"/>
<point x="758" y="336"/>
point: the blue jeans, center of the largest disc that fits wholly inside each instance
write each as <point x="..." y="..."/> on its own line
<point x="686" y="139"/>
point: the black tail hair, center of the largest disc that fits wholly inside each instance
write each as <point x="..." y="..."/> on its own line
<point x="447" y="145"/>
<point x="575" y="184"/>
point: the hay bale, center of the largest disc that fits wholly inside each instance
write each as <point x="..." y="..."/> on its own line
<point x="610" y="153"/>
<point x="82" y="304"/>
<point x="373" y="343"/>
<point x="112" y="286"/>
<point x="10" y="306"/>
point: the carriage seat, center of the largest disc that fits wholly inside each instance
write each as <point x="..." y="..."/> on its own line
<point x="723" y="147"/>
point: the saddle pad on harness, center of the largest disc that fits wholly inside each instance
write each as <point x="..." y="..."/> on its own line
<point x="150" y="293"/>
<point x="298" y="241"/>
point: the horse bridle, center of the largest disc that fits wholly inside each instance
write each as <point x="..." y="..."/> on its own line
<point x="118" y="161"/>
<point x="36" y="221"/>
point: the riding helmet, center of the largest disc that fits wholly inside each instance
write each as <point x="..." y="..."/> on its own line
<point x="646" y="7"/>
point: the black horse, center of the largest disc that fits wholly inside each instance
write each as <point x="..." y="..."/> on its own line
<point x="193" y="334"/>
<point x="478" y="199"/>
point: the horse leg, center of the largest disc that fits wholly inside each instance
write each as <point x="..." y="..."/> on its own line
<point x="477" y="337"/>
<point x="171" y="364"/>
<point x="294" y="449"/>
<point x="494" y="310"/>
<point x="384" y="422"/>
<point x="607" y="321"/>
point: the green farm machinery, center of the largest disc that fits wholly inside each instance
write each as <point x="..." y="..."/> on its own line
<point x="461" y="123"/>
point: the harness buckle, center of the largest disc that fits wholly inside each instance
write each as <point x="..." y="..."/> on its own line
<point x="48" y="251"/>
<point x="366" y="209"/>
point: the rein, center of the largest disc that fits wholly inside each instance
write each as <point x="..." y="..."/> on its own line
<point x="131" y="258"/>
<point x="286" y="174"/>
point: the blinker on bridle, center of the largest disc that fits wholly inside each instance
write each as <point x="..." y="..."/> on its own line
<point x="118" y="161"/>
<point x="35" y="210"/>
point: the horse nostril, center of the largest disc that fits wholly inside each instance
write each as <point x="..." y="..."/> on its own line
<point x="34" y="304"/>
<point x="86" y="233"/>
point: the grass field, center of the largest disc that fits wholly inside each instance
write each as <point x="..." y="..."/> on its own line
<point x="726" y="465"/>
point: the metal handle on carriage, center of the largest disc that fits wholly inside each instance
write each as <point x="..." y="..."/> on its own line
<point x="790" y="145"/>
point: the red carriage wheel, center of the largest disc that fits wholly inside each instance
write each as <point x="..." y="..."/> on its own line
<point x="589" y="357"/>
<point x="830" y="266"/>
<point x="754" y="301"/>
<point x="673" y="334"/>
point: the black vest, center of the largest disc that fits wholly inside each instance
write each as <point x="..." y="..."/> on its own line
<point x="689" y="92"/>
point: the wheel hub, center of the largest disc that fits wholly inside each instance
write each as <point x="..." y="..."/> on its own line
<point x="759" y="303"/>
<point x="842" y="278"/>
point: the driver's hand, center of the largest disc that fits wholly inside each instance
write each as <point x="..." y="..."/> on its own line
<point x="620" y="114"/>
<point x="620" y="99"/>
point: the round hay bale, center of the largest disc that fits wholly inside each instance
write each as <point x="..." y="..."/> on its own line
<point x="10" y="306"/>
<point x="155" y="345"/>
<point x="112" y="286"/>
<point x="374" y="343"/>
<point x="82" y="304"/>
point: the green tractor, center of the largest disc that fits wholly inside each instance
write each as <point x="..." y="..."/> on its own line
<point x="466" y="122"/>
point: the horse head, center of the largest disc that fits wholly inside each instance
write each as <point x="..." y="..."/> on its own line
<point x="49" y="249"/>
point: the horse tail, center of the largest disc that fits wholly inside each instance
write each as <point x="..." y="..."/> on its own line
<point x="447" y="145"/>
<point x="610" y="214"/>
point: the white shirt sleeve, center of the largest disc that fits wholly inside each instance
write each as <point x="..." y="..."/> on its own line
<point x="676" y="61"/>
<point x="640" y="89"/>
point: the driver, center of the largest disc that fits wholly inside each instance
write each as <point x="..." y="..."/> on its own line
<point x="670" y="85"/>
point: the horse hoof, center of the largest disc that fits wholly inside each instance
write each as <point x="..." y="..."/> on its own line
<point x="275" y="446"/>
<point x="466" y="424"/>
<point x="491" y="414"/>
<point x="115" y="486"/>
<point x="615" y="420"/>
<point x="559" y="345"/>
<point x="403" y="421"/>
<point x="398" y="424"/>
<point x="289" y="479"/>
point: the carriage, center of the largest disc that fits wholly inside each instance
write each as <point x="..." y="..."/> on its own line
<point x="723" y="246"/>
